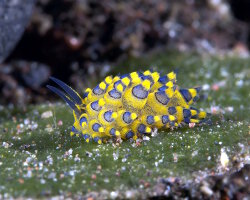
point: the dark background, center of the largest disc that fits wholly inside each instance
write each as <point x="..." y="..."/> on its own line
<point x="73" y="39"/>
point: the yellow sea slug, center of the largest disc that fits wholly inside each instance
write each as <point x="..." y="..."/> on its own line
<point x="130" y="106"/>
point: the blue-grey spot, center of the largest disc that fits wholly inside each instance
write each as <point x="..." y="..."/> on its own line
<point x="108" y="116"/>
<point x="83" y="119"/>
<point x="141" y="128"/>
<point x="115" y="94"/>
<point x="129" y="134"/>
<point x="98" y="91"/>
<point x="186" y="113"/>
<point x="165" y="119"/>
<point x="127" y="117"/>
<point x="172" y="110"/>
<point x="161" y="97"/>
<point x="139" y="92"/>
<point x="186" y="95"/>
<point x="112" y="131"/>
<point x="94" y="105"/>
<point x="150" y="119"/>
<point x="95" y="127"/>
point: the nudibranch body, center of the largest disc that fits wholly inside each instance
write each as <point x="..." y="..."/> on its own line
<point x="130" y="106"/>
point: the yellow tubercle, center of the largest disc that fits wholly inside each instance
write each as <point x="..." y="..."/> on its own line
<point x="101" y="102"/>
<point x="99" y="141"/>
<point x="148" y="130"/>
<point x="157" y="118"/>
<point x="102" y="85"/>
<point x="146" y="73"/>
<point x="114" y="115"/>
<point x="155" y="76"/>
<point x="108" y="79"/>
<point x="126" y="81"/>
<point x="133" y="116"/>
<point x="117" y="133"/>
<point x="169" y="84"/>
<point x="171" y="75"/>
<point x="101" y="129"/>
<point x="119" y="88"/>
<point x="146" y="84"/>
<point x="171" y="117"/>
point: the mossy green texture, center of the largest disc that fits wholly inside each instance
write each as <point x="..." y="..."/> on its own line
<point x="38" y="157"/>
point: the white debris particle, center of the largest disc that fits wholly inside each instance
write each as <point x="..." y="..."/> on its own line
<point x="116" y="154"/>
<point x="114" y="194"/>
<point x="229" y="109"/>
<point x="77" y="159"/>
<point x="209" y="158"/>
<point x="194" y="153"/>
<point x="106" y="180"/>
<point x="52" y="175"/>
<point x="49" y="129"/>
<point x="206" y="190"/>
<point x="6" y="145"/>
<point x="224" y="160"/>
<point x="239" y="83"/>
<point x="175" y="155"/>
<point x="34" y="126"/>
<point x="70" y="151"/>
<point x="156" y="164"/>
<point x="124" y="159"/>
<point x="205" y="87"/>
<point x="154" y="132"/>
<point x="47" y="114"/>
<point x="29" y="174"/>
<point x="146" y="138"/>
<point x="72" y="173"/>
<point x="49" y="160"/>
<point x="42" y="181"/>
<point x="26" y="121"/>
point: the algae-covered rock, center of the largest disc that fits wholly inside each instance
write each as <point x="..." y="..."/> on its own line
<point x="38" y="158"/>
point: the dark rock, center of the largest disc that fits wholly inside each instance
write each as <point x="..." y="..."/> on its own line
<point x="14" y="15"/>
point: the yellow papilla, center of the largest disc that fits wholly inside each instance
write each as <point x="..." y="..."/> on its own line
<point x="133" y="116"/>
<point x="119" y="88"/>
<point x="169" y="84"/>
<point x="146" y="84"/>
<point x="202" y="115"/>
<point x="117" y="133"/>
<point x="171" y="75"/>
<point x="101" y="102"/>
<point x="101" y="129"/>
<point x="157" y="118"/>
<point x="125" y="81"/>
<point x="148" y="130"/>
<point x="171" y="118"/>
<point x="155" y="76"/>
<point x="114" y="115"/>
<point x="102" y="85"/>
<point x="146" y="73"/>
<point x="193" y="92"/>
<point x="116" y="78"/>
<point x="108" y="79"/>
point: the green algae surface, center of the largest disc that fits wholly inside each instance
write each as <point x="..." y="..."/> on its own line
<point x="38" y="158"/>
